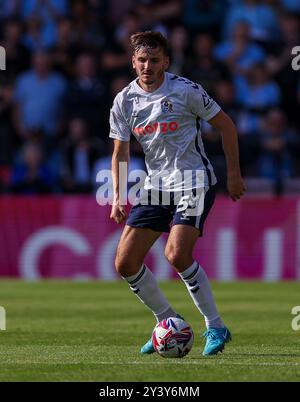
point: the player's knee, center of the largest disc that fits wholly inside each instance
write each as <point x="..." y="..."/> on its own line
<point x="124" y="266"/>
<point x="121" y="265"/>
<point x="176" y="258"/>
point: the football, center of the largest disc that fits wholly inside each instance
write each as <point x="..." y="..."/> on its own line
<point x="172" y="337"/>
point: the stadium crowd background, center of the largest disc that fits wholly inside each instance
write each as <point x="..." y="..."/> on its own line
<point x="66" y="60"/>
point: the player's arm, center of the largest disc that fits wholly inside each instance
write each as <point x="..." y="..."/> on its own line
<point x="120" y="154"/>
<point x="223" y="123"/>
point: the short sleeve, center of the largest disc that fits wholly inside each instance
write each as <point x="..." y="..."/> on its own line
<point x="119" y="129"/>
<point x="201" y="104"/>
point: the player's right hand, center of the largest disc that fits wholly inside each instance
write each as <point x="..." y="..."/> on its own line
<point x="236" y="186"/>
<point x="118" y="213"/>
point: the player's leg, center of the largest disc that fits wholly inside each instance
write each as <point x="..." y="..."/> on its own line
<point x="187" y="227"/>
<point x="179" y="251"/>
<point x="132" y="249"/>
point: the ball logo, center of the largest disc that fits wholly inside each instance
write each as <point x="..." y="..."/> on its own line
<point x="296" y="60"/>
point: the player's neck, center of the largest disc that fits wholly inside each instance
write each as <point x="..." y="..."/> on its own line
<point x="151" y="87"/>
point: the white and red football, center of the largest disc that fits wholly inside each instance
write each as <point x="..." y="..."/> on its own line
<point x="172" y="337"/>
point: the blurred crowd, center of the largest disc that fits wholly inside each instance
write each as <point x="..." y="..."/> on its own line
<point x="66" y="61"/>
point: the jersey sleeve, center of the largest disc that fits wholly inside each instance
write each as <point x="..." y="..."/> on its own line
<point x="201" y="104"/>
<point x="119" y="129"/>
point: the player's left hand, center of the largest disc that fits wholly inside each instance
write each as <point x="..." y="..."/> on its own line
<point x="118" y="213"/>
<point x="236" y="186"/>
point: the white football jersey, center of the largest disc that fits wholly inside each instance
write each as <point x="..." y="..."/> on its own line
<point x="166" y="123"/>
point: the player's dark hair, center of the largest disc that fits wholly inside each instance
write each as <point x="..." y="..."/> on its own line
<point x="149" y="39"/>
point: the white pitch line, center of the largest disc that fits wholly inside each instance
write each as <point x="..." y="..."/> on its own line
<point x="202" y="361"/>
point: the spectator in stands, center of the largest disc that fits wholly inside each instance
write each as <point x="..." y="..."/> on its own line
<point x="248" y="137"/>
<point x="8" y="142"/>
<point x="31" y="175"/>
<point x="282" y="52"/>
<point x="87" y="28"/>
<point x="10" y="8"/>
<point x="224" y="94"/>
<point x="42" y="17"/>
<point x="128" y="26"/>
<point x="17" y="55"/>
<point x="158" y="15"/>
<point x="257" y="92"/>
<point x="292" y="6"/>
<point x="179" y="41"/>
<point x="87" y="96"/>
<point x="260" y="16"/>
<point x="116" y="10"/>
<point x="275" y="160"/>
<point x="39" y="97"/>
<point x="65" y="51"/>
<point x="34" y="38"/>
<point x="279" y="65"/>
<point x="117" y="55"/>
<point x="239" y="53"/>
<point x="49" y="10"/>
<point x="204" y="68"/>
<point x="204" y="16"/>
<point x="79" y="154"/>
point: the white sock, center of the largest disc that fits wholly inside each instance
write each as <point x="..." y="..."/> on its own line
<point x="145" y="286"/>
<point x="198" y="286"/>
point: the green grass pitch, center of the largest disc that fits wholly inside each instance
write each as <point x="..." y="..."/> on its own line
<point x="70" y="331"/>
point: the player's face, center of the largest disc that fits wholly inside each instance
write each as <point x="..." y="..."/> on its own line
<point x="150" y="65"/>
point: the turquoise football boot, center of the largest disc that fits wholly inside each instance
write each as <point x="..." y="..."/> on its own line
<point x="215" y="340"/>
<point x="148" y="348"/>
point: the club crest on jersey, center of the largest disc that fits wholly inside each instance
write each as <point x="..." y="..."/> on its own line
<point x="166" y="106"/>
